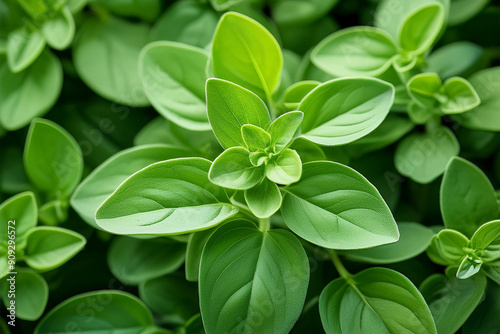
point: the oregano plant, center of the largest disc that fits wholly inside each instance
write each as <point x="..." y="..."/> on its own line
<point x="249" y="166"/>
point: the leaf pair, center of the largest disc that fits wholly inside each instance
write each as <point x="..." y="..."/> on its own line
<point x="41" y="248"/>
<point x="430" y="96"/>
<point x="235" y="169"/>
<point x="336" y="112"/>
<point x="398" y="40"/>
<point x="332" y="205"/>
<point x="53" y="26"/>
<point x="482" y="251"/>
<point x="469" y="208"/>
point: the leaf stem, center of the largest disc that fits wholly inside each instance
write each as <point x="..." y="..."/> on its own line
<point x="272" y="107"/>
<point x="264" y="224"/>
<point x="338" y="265"/>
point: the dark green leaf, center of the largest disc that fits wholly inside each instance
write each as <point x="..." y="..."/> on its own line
<point x="134" y="261"/>
<point x="252" y="280"/>
<point x="377" y="300"/>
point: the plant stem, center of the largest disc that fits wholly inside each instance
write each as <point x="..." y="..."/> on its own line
<point x="264" y="224"/>
<point x="272" y="107"/>
<point x="339" y="266"/>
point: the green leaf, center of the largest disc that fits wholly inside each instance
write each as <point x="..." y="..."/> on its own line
<point x="421" y="28"/>
<point x="53" y="212"/>
<point x="285" y="167"/>
<point x="484" y="117"/>
<point x="59" y="30"/>
<point x="492" y="270"/>
<point x="23" y="211"/>
<point x="454" y="58"/>
<point x="461" y="96"/>
<point x="169" y="197"/>
<point x="118" y="311"/>
<point x="413" y="240"/>
<point x="389" y="131"/>
<point x="229" y="107"/>
<point x="487" y="239"/>
<point x="423" y="87"/>
<point x="103" y="180"/>
<point x="39" y="9"/>
<point x="233" y="169"/>
<point x="419" y="114"/>
<point x="255" y="137"/>
<point x="4" y="327"/>
<point x="188" y="22"/>
<point x="222" y="5"/>
<point x="30" y="93"/>
<point x="307" y="150"/>
<point x="447" y="247"/>
<point x="377" y="300"/>
<point x="146" y="10"/>
<point x="285" y="129"/>
<point x="343" y="110"/>
<point x="463" y="10"/>
<point x="484" y="318"/>
<point x="263" y="199"/>
<point x="248" y="274"/>
<point x="4" y="262"/>
<point x="244" y="52"/>
<point x="452" y="300"/>
<point x="334" y="206"/>
<point x="365" y="51"/>
<point x="195" y="325"/>
<point x="467" y="197"/>
<point x="134" y="261"/>
<point x="31" y="294"/>
<point x="296" y="92"/>
<point x="195" y="245"/>
<point x="24" y="45"/>
<point x="173" y="76"/>
<point x="299" y="12"/>
<point x="468" y="267"/>
<point x="423" y="156"/>
<point x="162" y="131"/>
<point x="52" y="158"/>
<point x="51" y="247"/>
<point x="113" y="75"/>
<point x="174" y="299"/>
